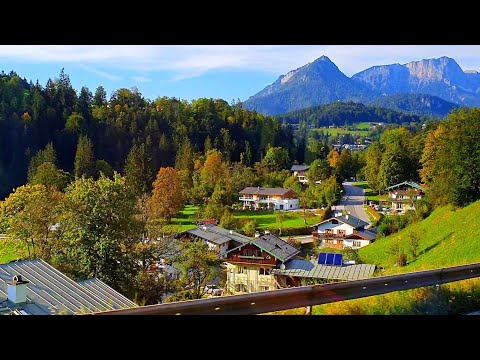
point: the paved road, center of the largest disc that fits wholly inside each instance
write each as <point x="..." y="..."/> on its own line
<point x="353" y="201"/>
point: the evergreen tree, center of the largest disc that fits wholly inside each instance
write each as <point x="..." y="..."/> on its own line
<point x="84" y="158"/>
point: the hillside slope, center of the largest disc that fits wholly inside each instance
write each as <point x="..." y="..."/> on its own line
<point x="448" y="237"/>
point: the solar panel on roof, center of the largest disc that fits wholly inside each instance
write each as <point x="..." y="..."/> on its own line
<point x="330" y="259"/>
<point x="338" y="260"/>
<point x="322" y="258"/>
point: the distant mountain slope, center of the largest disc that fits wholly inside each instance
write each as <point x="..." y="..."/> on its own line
<point x="441" y="77"/>
<point x="319" y="82"/>
<point x="418" y="104"/>
<point x="341" y="113"/>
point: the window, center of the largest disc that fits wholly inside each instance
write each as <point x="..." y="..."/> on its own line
<point x="328" y="231"/>
<point x="334" y="221"/>
<point x="241" y="270"/>
<point x="240" y="288"/>
<point x="357" y="244"/>
<point x="263" y="271"/>
<point x="264" y="288"/>
<point x="246" y="252"/>
<point x="291" y="205"/>
<point x="341" y="232"/>
<point x="258" y="253"/>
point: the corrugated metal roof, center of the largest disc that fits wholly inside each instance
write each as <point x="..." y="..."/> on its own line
<point x="49" y="291"/>
<point x="217" y="235"/>
<point x="308" y="269"/>
<point x="276" y="247"/>
<point x="300" y="167"/>
<point x="264" y="191"/>
<point x="103" y="291"/>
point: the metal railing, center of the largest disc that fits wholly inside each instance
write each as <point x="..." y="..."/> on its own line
<point x="275" y="300"/>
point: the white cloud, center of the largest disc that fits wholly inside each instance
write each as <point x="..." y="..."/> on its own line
<point x="141" y="79"/>
<point x="101" y="73"/>
<point x="186" y="61"/>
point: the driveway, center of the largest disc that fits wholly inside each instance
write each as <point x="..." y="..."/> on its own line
<point x="353" y="200"/>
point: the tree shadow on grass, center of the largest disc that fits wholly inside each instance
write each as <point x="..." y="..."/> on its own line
<point x="431" y="247"/>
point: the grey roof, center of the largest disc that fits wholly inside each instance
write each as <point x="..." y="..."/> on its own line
<point x="370" y="235"/>
<point x="412" y="184"/>
<point x="217" y="234"/>
<point x="50" y="292"/>
<point x="300" y="167"/>
<point x="264" y="191"/>
<point x="309" y="269"/>
<point x="106" y="293"/>
<point x="352" y="221"/>
<point x="276" y="247"/>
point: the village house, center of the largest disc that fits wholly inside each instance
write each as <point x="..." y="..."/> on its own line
<point x="403" y="196"/>
<point x="33" y="287"/>
<point x="216" y="237"/>
<point x="343" y="231"/>
<point x="269" y="198"/>
<point x="268" y="263"/>
<point x="249" y="266"/>
<point x="300" y="171"/>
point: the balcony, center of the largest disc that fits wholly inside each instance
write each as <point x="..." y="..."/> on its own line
<point x="250" y="259"/>
<point x="327" y="236"/>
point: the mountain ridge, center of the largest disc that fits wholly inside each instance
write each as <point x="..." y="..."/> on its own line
<point x="321" y="82"/>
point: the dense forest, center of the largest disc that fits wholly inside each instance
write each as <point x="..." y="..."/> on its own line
<point x="32" y="116"/>
<point x="345" y="113"/>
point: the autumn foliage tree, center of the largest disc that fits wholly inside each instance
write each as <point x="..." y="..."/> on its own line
<point x="167" y="197"/>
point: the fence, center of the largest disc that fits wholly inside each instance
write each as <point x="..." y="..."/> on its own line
<point x="262" y="302"/>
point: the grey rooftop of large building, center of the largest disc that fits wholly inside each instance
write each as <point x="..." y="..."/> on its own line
<point x="309" y="269"/>
<point x="257" y="190"/>
<point x="276" y="247"/>
<point x="217" y="234"/>
<point x="51" y="292"/>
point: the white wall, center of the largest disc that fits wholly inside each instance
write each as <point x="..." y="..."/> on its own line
<point x="349" y="243"/>
<point x="340" y="226"/>
<point x="286" y="204"/>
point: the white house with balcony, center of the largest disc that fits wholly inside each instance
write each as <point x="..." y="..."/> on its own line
<point x="404" y="195"/>
<point x="343" y="231"/>
<point x="269" y="198"/>
<point x="300" y="171"/>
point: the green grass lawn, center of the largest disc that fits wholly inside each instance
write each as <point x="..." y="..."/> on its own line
<point x="268" y="219"/>
<point x="362" y="125"/>
<point x="336" y="131"/>
<point x="448" y="237"/>
<point x="370" y="194"/>
<point x="11" y="250"/>
<point x="185" y="220"/>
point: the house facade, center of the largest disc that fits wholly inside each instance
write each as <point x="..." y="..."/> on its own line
<point x="404" y="195"/>
<point x="300" y="171"/>
<point x="217" y="238"/>
<point x="343" y="231"/>
<point x="269" y="198"/>
<point x="250" y="266"/>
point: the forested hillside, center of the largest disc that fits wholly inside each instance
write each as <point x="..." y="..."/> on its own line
<point x="346" y="113"/>
<point x="32" y="116"/>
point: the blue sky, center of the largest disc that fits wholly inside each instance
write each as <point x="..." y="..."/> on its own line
<point x="219" y="71"/>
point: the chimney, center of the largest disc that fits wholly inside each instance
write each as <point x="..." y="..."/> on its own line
<point x="17" y="290"/>
<point x="257" y="234"/>
<point x="204" y="227"/>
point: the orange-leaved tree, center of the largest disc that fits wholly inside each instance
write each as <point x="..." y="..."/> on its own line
<point x="167" y="197"/>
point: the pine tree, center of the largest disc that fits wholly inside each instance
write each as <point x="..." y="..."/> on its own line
<point x="84" y="158"/>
